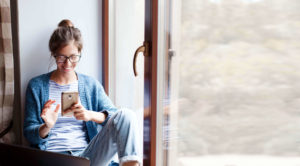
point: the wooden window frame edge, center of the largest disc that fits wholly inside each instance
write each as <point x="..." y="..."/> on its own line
<point x="105" y="45"/>
<point x="151" y="31"/>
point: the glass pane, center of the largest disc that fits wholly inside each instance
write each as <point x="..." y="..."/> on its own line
<point x="126" y="35"/>
<point x="230" y="82"/>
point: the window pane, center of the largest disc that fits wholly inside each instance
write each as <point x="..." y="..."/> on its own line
<point x="231" y="82"/>
<point x="126" y="35"/>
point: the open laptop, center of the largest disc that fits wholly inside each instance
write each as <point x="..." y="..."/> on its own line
<point x="11" y="155"/>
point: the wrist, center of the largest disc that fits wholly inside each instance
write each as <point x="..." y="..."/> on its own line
<point x="44" y="131"/>
<point x="47" y="126"/>
<point x="91" y="115"/>
<point x="98" y="117"/>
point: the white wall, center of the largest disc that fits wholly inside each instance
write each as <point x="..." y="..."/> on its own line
<point x="37" y="21"/>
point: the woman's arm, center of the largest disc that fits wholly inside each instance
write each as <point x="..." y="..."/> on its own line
<point x="50" y="117"/>
<point x="104" y="104"/>
<point x="98" y="117"/>
<point x="80" y="113"/>
<point x="44" y="131"/>
<point x="32" y="119"/>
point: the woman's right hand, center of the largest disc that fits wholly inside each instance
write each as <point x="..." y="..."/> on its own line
<point x="49" y="116"/>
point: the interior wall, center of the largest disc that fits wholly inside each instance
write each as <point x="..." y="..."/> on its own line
<point x="37" y="20"/>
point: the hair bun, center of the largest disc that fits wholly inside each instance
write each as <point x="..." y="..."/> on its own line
<point x="66" y="23"/>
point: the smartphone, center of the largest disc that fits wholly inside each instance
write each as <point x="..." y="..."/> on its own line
<point x="67" y="100"/>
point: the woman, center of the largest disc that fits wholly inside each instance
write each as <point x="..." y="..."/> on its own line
<point x="97" y="130"/>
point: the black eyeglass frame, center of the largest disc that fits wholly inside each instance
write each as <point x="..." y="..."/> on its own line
<point x="67" y="58"/>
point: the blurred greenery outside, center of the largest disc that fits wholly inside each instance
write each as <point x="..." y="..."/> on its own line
<point x="239" y="79"/>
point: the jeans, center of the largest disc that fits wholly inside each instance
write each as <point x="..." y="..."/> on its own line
<point x="120" y="135"/>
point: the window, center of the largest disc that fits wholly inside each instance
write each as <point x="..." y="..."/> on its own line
<point x="228" y="82"/>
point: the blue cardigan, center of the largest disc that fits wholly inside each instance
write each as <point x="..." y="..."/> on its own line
<point x="92" y="97"/>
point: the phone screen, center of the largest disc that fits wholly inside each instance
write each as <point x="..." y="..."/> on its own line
<point x="67" y="100"/>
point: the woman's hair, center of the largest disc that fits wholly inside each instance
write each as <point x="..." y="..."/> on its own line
<point x="63" y="35"/>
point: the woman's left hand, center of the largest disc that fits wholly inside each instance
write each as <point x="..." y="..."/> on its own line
<point x="80" y="113"/>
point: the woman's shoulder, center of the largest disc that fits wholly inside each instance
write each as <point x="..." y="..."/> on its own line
<point x="87" y="78"/>
<point x="38" y="80"/>
<point x="88" y="81"/>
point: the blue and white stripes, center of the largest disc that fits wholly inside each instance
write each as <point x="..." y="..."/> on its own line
<point x="68" y="134"/>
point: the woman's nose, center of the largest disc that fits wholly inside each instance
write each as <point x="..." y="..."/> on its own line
<point x="68" y="62"/>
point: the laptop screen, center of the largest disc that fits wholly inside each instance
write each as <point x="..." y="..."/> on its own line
<point x="19" y="155"/>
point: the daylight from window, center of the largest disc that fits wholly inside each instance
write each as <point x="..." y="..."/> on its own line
<point x="233" y="85"/>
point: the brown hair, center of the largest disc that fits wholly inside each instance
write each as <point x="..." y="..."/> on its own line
<point x="63" y="35"/>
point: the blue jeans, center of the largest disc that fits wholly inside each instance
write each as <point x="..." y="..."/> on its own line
<point x="120" y="135"/>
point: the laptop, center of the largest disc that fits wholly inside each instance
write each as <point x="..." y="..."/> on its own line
<point x="25" y="156"/>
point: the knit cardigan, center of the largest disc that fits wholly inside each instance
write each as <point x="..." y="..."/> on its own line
<point x="92" y="97"/>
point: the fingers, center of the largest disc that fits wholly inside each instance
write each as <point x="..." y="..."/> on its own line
<point x="83" y="115"/>
<point x="44" y="111"/>
<point x="67" y="111"/>
<point x="76" y="105"/>
<point x="43" y="116"/>
<point x="49" y="103"/>
<point x="77" y="116"/>
<point x="80" y="116"/>
<point x="57" y="108"/>
<point x="78" y="110"/>
<point x="47" y="107"/>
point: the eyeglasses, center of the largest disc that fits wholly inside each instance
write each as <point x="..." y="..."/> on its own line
<point x="72" y="58"/>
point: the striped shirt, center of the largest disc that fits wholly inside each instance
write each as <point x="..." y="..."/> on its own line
<point x="68" y="134"/>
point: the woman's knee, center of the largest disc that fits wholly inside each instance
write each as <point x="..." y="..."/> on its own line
<point x="126" y="116"/>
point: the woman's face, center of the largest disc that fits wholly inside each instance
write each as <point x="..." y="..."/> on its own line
<point x="66" y="66"/>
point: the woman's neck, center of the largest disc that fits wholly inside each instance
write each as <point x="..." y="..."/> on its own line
<point x="63" y="79"/>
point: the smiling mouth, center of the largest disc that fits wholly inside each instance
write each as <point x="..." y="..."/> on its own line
<point x="67" y="68"/>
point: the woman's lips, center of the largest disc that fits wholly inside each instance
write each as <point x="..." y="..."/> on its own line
<point x="67" y="69"/>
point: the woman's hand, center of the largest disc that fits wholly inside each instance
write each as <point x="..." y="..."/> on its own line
<point x="49" y="116"/>
<point x="80" y="113"/>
